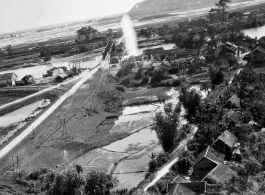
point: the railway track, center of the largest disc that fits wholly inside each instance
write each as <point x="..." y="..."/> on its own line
<point x="45" y="135"/>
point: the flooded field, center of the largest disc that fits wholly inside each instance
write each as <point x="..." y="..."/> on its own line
<point x="18" y="115"/>
<point x="128" y="158"/>
<point x="10" y="123"/>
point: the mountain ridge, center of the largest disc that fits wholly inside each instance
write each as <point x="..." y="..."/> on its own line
<point x="148" y="7"/>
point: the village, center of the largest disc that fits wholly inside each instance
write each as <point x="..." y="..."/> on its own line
<point x="203" y="79"/>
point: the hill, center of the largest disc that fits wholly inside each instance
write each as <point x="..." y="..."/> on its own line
<point x="148" y="7"/>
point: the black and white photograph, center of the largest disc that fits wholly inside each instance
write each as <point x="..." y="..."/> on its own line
<point x="132" y="97"/>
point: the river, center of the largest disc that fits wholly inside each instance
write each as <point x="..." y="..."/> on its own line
<point x="255" y="32"/>
<point x="85" y="62"/>
<point x="38" y="70"/>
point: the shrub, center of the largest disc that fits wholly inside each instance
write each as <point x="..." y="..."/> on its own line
<point x="145" y="80"/>
<point x="173" y="70"/>
<point x="158" y="76"/>
<point x="191" y="101"/>
<point x="34" y="175"/>
<point x="125" y="70"/>
<point x="216" y="75"/>
<point x="176" y="83"/>
<point x="138" y="75"/>
<point x="120" y="88"/>
<point x="126" y="81"/>
<point x="166" y="127"/>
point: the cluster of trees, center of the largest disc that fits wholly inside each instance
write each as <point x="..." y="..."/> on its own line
<point x="216" y="75"/>
<point x="87" y="34"/>
<point x="69" y="182"/>
<point x="147" y="32"/>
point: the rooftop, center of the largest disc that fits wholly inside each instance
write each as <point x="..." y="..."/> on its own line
<point x="259" y="49"/>
<point x="7" y="76"/>
<point x="178" y="189"/>
<point x="210" y="154"/>
<point x="220" y="174"/>
<point x="232" y="115"/>
<point x="228" y="138"/>
<point x="153" y="51"/>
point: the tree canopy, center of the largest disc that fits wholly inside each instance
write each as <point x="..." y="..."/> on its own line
<point x="87" y="34"/>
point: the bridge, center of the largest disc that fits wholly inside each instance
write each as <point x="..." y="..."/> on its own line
<point x="108" y="49"/>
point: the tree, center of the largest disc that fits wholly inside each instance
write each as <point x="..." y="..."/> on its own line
<point x="211" y="31"/>
<point x="216" y="75"/>
<point x="222" y="4"/>
<point x="66" y="183"/>
<point x="109" y="33"/>
<point x="158" y="76"/>
<point x="87" y="34"/>
<point x="79" y="169"/>
<point x="147" y="32"/>
<point x="166" y="127"/>
<point x="9" y="49"/>
<point x="185" y="162"/>
<point x="205" y="86"/>
<point x="191" y="101"/>
<point x="47" y="55"/>
<point x="99" y="183"/>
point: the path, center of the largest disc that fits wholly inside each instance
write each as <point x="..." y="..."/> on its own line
<point x="83" y="74"/>
<point x="176" y="153"/>
<point x="28" y="130"/>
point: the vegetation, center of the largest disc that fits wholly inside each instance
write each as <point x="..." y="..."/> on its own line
<point x="158" y="76"/>
<point x="120" y="88"/>
<point x="47" y="55"/>
<point x="69" y="182"/>
<point x="87" y="34"/>
<point x="216" y="75"/>
<point x="191" y="101"/>
<point x="167" y="127"/>
<point x="111" y="99"/>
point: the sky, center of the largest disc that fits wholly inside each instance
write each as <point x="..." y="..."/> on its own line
<point x="18" y="15"/>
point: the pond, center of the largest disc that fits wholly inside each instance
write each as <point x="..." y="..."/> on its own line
<point x="255" y="32"/>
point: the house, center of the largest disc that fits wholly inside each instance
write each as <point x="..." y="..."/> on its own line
<point x="70" y="73"/>
<point x="199" y="187"/>
<point x="206" y="161"/>
<point x="60" y="77"/>
<point x="57" y="71"/>
<point x="231" y="46"/>
<point x="225" y="144"/>
<point x="138" y="58"/>
<point x="258" y="54"/>
<point x="208" y="54"/>
<point x="20" y="83"/>
<point x="8" y="79"/>
<point x="155" y="53"/>
<point x="232" y="117"/>
<point x="28" y="79"/>
<point x="227" y="51"/>
<point x="197" y="31"/>
<point x="243" y="47"/>
<point x="233" y="102"/>
<point x="179" y="189"/>
<point x="170" y="54"/>
<point x="221" y="174"/>
<point x="187" y="53"/>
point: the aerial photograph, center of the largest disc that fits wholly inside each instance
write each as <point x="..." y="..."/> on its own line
<point x="132" y="97"/>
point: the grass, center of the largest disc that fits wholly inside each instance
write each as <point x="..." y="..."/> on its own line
<point x="7" y="99"/>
